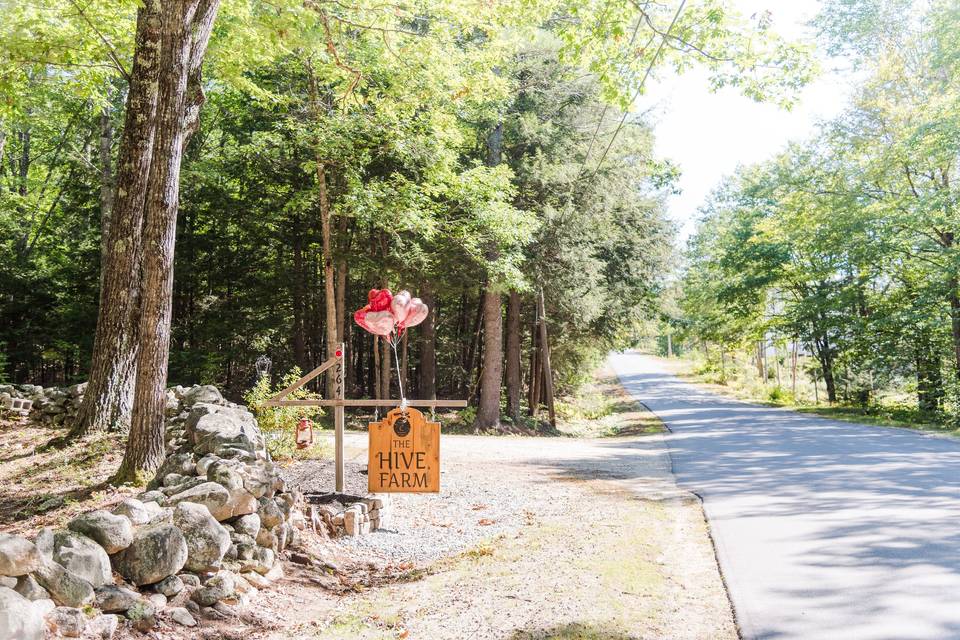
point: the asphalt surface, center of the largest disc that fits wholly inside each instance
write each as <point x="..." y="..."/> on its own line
<point x="823" y="529"/>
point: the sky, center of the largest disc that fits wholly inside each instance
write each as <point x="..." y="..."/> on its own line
<point x="709" y="134"/>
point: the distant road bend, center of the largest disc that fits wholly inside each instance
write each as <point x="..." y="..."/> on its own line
<point x="824" y="529"/>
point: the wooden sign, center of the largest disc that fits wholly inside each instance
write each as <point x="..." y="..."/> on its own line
<point x="404" y="454"/>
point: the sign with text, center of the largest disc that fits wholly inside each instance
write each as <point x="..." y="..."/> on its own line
<point x="404" y="454"/>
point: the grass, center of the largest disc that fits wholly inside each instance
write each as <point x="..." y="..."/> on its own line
<point x="889" y="412"/>
<point x="603" y="409"/>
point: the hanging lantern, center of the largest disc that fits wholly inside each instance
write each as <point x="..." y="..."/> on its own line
<point x="304" y="433"/>
<point x="263" y="366"/>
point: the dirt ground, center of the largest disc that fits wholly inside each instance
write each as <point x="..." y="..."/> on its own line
<point x="545" y="537"/>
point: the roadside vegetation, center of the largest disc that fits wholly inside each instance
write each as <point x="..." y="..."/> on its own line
<point x="836" y="261"/>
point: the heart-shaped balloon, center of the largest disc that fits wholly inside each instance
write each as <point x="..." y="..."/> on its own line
<point x="416" y="313"/>
<point x="379" y="322"/>
<point x="360" y="317"/>
<point x="399" y="306"/>
<point x="379" y="299"/>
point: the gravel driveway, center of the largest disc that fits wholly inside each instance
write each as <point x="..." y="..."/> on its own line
<point x="539" y="538"/>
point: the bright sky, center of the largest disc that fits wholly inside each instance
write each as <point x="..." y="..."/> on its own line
<point x="709" y="134"/>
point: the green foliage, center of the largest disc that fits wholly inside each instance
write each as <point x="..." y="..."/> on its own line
<point x="279" y="424"/>
<point x="846" y="244"/>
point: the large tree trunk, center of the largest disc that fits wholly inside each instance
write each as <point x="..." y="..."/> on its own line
<point x="488" y="411"/>
<point x="513" y="357"/>
<point x="545" y="359"/>
<point x="108" y="400"/>
<point x="186" y="30"/>
<point x="428" y="348"/>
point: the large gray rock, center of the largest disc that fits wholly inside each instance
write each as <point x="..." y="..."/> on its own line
<point x="139" y="513"/>
<point x="82" y="557"/>
<point x="206" y="393"/>
<point x="207" y="540"/>
<point x="18" y="556"/>
<point x="222" y="430"/>
<point x="157" y="551"/>
<point x="210" y="494"/>
<point x="29" y="588"/>
<point x="270" y="514"/>
<point x="170" y="586"/>
<point x="112" y="532"/>
<point x="20" y="619"/>
<point x="226" y="474"/>
<point x="65" y="588"/>
<point x="217" y="588"/>
<point x="114" y="599"/>
<point x="68" y="622"/>
<point x="248" y="525"/>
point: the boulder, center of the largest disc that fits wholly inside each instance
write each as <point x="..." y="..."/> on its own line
<point x="221" y="430"/>
<point x="65" y="587"/>
<point x="247" y="525"/>
<point x="173" y="585"/>
<point x="157" y="551"/>
<point x="29" y="588"/>
<point x="190" y="579"/>
<point x="210" y="494"/>
<point x="82" y="557"/>
<point x="114" y="599"/>
<point x="143" y="615"/>
<point x="153" y="496"/>
<point x="216" y="588"/>
<point x="103" y="627"/>
<point x="207" y="540"/>
<point x="9" y="582"/>
<point x="68" y="622"/>
<point x="112" y="532"/>
<point x="18" y="556"/>
<point x="182" y="617"/>
<point x="20" y="619"/>
<point x="139" y="513"/>
<point x="206" y="393"/>
<point x="270" y="514"/>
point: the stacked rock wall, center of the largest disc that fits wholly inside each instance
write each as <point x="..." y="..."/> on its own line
<point x="205" y="535"/>
<point x="51" y="405"/>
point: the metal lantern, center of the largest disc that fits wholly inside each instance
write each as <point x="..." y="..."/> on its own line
<point x="263" y="366"/>
<point x="304" y="433"/>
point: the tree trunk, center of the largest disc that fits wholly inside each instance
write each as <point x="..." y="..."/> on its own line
<point x="488" y="411"/>
<point x="545" y="360"/>
<point x="186" y="30"/>
<point x="513" y="357"/>
<point x="108" y="400"/>
<point x="330" y="298"/>
<point x="954" y="300"/>
<point x="375" y="371"/>
<point x="106" y="185"/>
<point x="533" y="400"/>
<point x="428" y="348"/>
<point x="793" y="369"/>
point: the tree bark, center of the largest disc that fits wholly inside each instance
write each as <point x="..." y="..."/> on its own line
<point x="930" y="391"/>
<point x="533" y="402"/>
<point x="108" y="400"/>
<point x="186" y="30"/>
<point x="428" y="348"/>
<point x="386" y="364"/>
<point x="545" y="359"/>
<point x="513" y="356"/>
<point x="488" y="411"/>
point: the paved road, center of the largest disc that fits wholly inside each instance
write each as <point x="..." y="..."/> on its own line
<point x="823" y="529"/>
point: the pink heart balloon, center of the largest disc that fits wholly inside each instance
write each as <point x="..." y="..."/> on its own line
<point x="416" y="313"/>
<point x="379" y="322"/>
<point x="400" y="306"/>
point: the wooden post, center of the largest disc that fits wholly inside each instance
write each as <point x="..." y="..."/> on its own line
<point x="338" y="416"/>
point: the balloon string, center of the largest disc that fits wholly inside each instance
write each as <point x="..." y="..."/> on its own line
<point x="396" y="363"/>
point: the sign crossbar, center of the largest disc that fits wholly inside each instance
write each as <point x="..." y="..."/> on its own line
<point x="339" y="402"/>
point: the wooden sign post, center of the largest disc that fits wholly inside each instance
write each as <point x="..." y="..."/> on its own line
<point x="404" y="454"/>
<point x="339" y="402"/>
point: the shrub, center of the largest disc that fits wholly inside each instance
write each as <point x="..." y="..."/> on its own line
<point x="279" y="424"/>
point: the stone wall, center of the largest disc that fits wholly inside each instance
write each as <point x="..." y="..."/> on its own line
<point x="205" y="536"/>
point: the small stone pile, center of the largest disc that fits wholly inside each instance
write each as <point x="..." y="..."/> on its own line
<point x="51" y="405"/>
<point x="358" y="517"/>
<point x="205" y="536"/>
